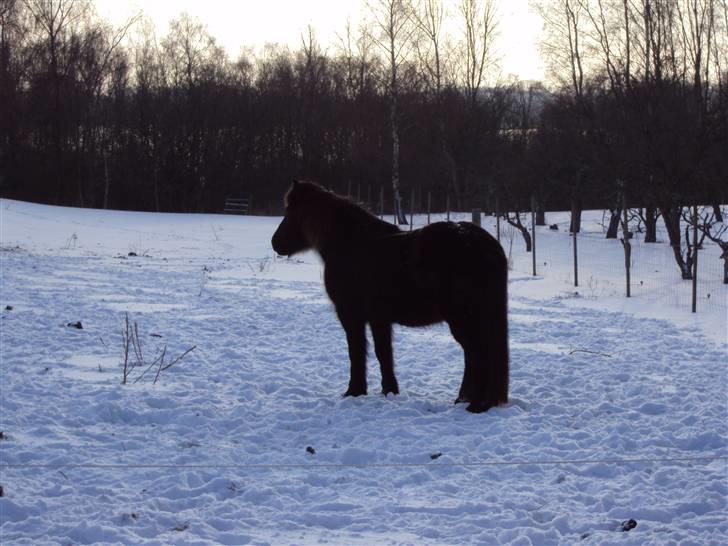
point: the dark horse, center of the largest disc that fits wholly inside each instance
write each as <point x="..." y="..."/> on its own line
<point x="374" y="273"/>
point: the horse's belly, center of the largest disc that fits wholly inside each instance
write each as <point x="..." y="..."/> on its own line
<point x="406" y="306"/>
<point x="422" y="319"/>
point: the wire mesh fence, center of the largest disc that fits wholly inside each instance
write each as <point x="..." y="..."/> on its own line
<point x="654" y="274"/>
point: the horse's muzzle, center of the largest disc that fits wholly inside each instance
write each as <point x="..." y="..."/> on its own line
<point x="276" y="244"/>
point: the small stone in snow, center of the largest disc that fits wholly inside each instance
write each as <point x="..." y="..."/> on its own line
<point x="182" y="527"/>
<point x="8" y="307"/>
<point x="310" y="450"/>
<point x="434" y="456"/>
<point x="628" y="525"/>
<point x="76" y="324"/>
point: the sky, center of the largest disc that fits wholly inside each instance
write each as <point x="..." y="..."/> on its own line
<point x="253" y="23"/>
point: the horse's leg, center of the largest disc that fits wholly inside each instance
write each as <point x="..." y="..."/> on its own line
<point x="467" y="380"/>
<point x="382" y="334"/>
<point x="475" y="385"/>
<point x="357" y="341"/>
<point x="464" y="338"/>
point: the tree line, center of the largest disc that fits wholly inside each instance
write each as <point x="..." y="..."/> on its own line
<point x="636" y="111"/>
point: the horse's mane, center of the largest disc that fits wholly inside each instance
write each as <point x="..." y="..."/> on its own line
<point x="329" y="218"/>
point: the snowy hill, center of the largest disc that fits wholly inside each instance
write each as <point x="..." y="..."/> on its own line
<point x="618" y="406"/>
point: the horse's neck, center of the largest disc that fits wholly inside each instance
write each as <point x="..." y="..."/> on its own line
<point x="351" y="235"/>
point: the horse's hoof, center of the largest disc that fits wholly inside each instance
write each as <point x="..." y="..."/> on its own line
<point x="479" y="407"/>
<point x="387" y="389"/>
<point x="354" y="392"/>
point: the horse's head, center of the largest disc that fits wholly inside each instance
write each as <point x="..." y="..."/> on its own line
<point x="290" y="237"/>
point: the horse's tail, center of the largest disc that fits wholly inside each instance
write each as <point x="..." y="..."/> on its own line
<point x="492" y="280"/>
<point x="495" y="311"/>
<point x="468" y="270"/>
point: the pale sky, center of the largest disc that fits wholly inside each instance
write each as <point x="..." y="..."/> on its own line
<point x="239" y="23"/>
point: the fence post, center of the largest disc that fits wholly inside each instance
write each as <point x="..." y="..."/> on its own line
<point x="576" y="259"/>
<point x="412" y="208"/>
<point x="497" y="218"/>
<point x="429" y="204"/>
<point x="394" y="208"/>
<point x="695" y="258"/>
<point x="533" y="233"/>
<point x="476" y="217"/>
<point x="627" y="245"/>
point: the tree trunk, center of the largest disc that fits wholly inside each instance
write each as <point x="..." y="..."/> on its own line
<point x="671" y="217"/>
<point x="575" y="224"/>
<point x="717" y="212"/>
<point x="650" y="225"/>
<point x="516" y="222"/>
<point x="80" y="152"/>
<point x="155" y="174"/>
<point x="398" y="212"/>
<point x="614" y="215"/>
<point x="106" y="181"/>
<point x="540" y="214"/>
<point x="627" y="246"/>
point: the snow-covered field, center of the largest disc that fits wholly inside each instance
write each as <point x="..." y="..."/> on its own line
<point x="618" y="411"/>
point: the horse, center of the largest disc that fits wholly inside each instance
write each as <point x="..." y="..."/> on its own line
<point x="376" y="274"/>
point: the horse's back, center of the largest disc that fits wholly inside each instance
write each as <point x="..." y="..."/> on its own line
<point x="448" y="251"/>
<point x="415" y="278"/>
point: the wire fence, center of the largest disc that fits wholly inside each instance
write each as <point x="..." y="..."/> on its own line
<point x="705" y="459"/>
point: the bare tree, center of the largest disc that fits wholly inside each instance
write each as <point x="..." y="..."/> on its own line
<point x="100" y="46"/>
<point x="720" y="44"/>
<point x="514" y="219"/>
<point x="393" y="30"/>
<point x="195" y="60"/>
<point x="563" y="44"/>
<point x="479" y="29"/>
<point x="148" y="76"/>
<point x="355" y="51"/>
<point x="610" y="41"/>
<point x="191" y="51"/>
<point x="429" y="16"/>
<point x="716" y="231"/>
<point x="55" y="21"/>
<point x="13" y="29"/>
<point x="697" y="23"/>
<point x="564" y="48"/>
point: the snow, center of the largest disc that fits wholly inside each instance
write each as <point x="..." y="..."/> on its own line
<point x="618" y="406"/>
